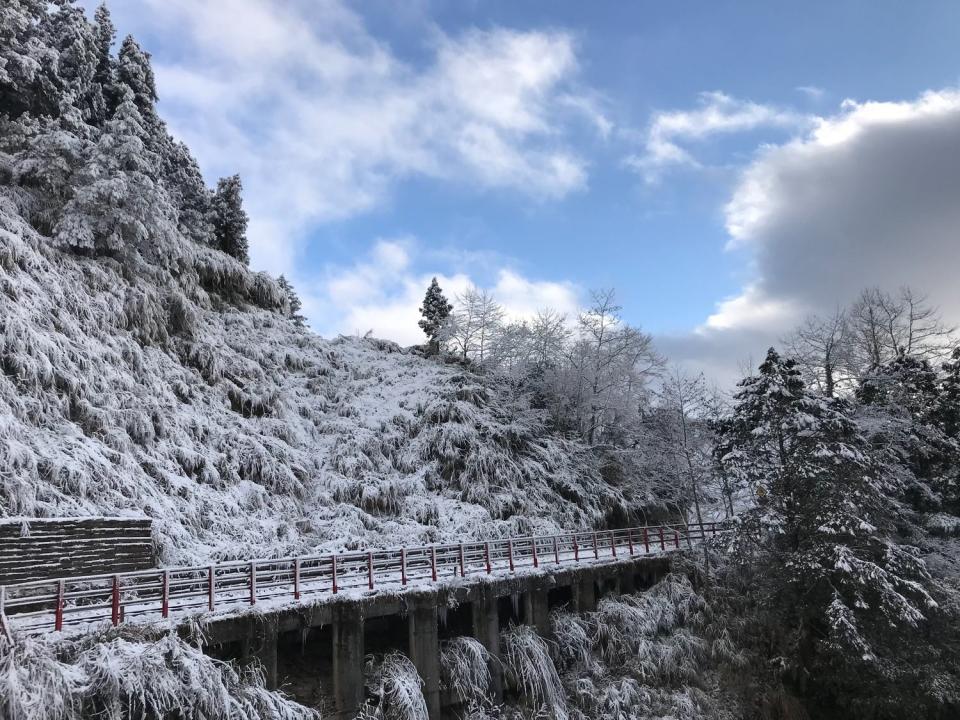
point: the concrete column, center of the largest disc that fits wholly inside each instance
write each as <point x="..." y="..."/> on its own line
<point x="584" y="594"/>
<point x="260" y="643"/>
<point x="347" y="661"/>
<point x="425" y="650"/>
<point x="626" y="581"/>
<point x="486" y="629"/>
<point x="537" y="610"/>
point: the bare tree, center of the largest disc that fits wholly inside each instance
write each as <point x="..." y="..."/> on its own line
<point x="884" y="325"/>
<point x="821" y="345"/>
<point x="614" y="361"/>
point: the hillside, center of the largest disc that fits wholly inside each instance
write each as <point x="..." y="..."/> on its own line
<point x="187" y="394"/>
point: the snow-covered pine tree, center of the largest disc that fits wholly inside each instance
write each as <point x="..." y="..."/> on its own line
<point x="818" y="545"/>
<point x="435" y="311"/>
<point x="118" y="203"/>
<point x="293" y="300"/>
<point x="105" y="33"/>
<point x="948" y="404"/>
<point x="134" y="70"/>
<point x="230" y="219"/>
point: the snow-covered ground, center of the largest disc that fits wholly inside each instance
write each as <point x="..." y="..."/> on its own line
<point x="181" y="390"/>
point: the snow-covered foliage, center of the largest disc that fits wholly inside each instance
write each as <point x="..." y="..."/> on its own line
<point x="465" y="664"/>
<point x="120" y="675"/>
<point x="649" y="655"/>
<point x="397" y="688"/>
<point x="833" y="550"/>
<point x="529" y="668"/>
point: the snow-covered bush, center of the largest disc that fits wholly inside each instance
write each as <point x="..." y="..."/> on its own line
<point x="465" y="667"/>
<point x="397" y="686"/>
<point x="529" y="668"/>
<point x="121" y="675"/>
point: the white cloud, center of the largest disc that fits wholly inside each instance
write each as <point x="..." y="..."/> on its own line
<point x="811" y="91"/>
<point x="868" y="197"/>
<point x="382" y="292"/>
<point x="669" y="132"/>
<point x="321" y="118"/>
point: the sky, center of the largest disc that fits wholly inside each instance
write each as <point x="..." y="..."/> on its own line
<point x="728" y="167"/>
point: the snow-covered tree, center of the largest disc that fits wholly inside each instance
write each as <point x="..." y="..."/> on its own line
<point x="293" y="301"/>
<point x="118" y="203"/>
<point x="134" y="70"/>
<point x="230" y="219"/>
<point x="838" y="586"/>
<point x="948" y="404"/>
<point x="821" y="347"/>
<point x="435" y="311"/>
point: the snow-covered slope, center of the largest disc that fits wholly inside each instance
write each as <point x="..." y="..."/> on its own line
<point x="184" y="392"/>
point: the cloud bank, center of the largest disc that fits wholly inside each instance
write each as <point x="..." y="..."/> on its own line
<point x="868" y="197"/>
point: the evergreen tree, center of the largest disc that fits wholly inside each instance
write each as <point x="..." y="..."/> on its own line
<point x="293" y="301"/>
<point x="839" y="591"/>
<point x="230" y="219"/>
<point x="948" y="404"/>
<point x="435" y="311"/>
<point x="188" y="191"/>
<point x="134" y="70"/>
<point x="118" y="203"/>
<point x="104" y="36"/>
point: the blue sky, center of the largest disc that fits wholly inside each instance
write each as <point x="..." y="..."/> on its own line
<point x="671" y="150"/>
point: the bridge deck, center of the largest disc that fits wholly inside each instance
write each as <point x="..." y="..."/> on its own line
<point x="82" y="603"/>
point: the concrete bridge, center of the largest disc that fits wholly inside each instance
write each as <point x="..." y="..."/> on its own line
<point x="311" y="620"/>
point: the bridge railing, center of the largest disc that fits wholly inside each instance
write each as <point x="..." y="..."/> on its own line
<point x="47" y="605"/>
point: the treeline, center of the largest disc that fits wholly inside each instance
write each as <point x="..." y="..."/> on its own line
<point x="89" y="161"/>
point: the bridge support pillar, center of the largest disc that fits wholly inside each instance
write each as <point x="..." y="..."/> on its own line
<point x="585" y="594"/>
<point x="260" y="643"/>
<point x="425" y="650"/>
<point x="486" y="629"/>
<point x="627" y="581"/>
<point x="537" y="610"/>
<point x="347" y="661"/>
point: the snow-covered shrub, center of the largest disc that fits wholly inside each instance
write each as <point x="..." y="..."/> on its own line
<point x="465" y="667"/>
<point x="120" y="676"/>
<point x="395" y="683"/>
<point x="530" y="669"/>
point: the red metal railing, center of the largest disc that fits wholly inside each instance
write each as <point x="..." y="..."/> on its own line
<point x="151" y="594"/>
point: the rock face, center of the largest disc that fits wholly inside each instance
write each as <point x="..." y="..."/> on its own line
<point x="65" y="547"/>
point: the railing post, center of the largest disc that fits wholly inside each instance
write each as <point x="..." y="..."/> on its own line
<point x="253" y="582"/>
<point x="115" y="601"/>
<point x="596" y="549"/>
<point x="486" y="557"/>
<point x="333" y="573"/>
<point x="165" y="599"/>
<point x="556" y="550"/>
<point x="296" y="578"/>
<point x="630" y="541"/>
<point x="58" y="615"/>
<point x="676" y="538"/>
<point x="646" y="541"/>
<point x="510" y="552"/>
<point x="662" y="545"/>
<point x="403" y="566"/>
<point x="211" y="575"/>
<point x="576" y="549"/>
<point x="463" y="570"/>
<point x="613" y="544"/>
<point x="433" y="562"/>
<point x="370" y="569"/>
<point x="533" y="545"/>
<point x="714" y="527"/>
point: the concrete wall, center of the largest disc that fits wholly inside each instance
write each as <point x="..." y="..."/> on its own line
<point x="42" y="549"/>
